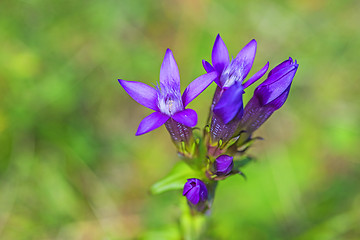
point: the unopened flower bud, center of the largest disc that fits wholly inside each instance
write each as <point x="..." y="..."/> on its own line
<point x="195" y="191"/>
<point x="268" y="96"/>
<point x="223" y="165"/>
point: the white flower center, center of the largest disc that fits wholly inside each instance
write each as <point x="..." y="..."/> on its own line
<point x="233" y="73"/>
<point x="170" y="102"/>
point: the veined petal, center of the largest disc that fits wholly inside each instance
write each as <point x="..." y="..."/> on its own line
<point x="151" y="122"/>
<point x="246" y="57"/>
<point x="188" y="117"/>
<point x="198" y="86"/>
<point x="220" y="55"/>
<point x="230" y="103"/>
<point x="141" y="93"/>
<point x="256" y="76"/>
<point x="169" y="72"/>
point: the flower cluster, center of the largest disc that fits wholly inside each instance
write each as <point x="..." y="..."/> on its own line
<point x="221" y="150"/>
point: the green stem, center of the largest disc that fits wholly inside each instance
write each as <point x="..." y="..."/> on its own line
<point x="192" y="225"/>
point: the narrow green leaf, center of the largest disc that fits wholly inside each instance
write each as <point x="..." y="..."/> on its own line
<point x="175" y="179"/>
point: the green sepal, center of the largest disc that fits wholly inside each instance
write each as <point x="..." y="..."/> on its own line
<point x="176" y="179"/>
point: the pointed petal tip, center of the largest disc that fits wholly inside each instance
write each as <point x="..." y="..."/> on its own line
<point x="138" y="133"/>
<point x="168" y="52"/>
<point x="141" y="93"/>
<point x="151" y="122"/>
<point x="253" y="43"/>
<point x="207" y="66"/>
<point x="256" y="76"/>
<point x="169" y="72"/>
<point x="198" y="86"/>
<point x="219" y="55"/>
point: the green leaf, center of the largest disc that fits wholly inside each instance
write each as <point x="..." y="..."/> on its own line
<point x="175" y="179"/>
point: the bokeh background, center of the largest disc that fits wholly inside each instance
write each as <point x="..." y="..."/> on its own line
<point x="71" y="167"/>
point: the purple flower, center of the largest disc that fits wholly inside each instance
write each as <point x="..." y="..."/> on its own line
<point x="227" y="103"/>
<point x="195" y="191"/>
<point x="166" y="100"/>
<point x="269" y="96"/>
<point x="223" y="165"/>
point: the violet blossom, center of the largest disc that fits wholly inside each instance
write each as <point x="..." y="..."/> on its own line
<point x="227" y="104"/>
<point x="166" y="100"/>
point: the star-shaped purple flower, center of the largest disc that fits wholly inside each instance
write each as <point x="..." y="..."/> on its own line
<point x="230" y="77"/>
<point x="166" y="100"/>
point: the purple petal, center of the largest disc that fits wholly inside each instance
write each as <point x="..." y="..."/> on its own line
<point x="278" y="72"/>
<point x="203" y="190"/>
<point x="224" y="164"/>
<point x="188" y="117"/>
<point x="275" y="85"/>
<point x="197" y="86"/>
<point x="230" y="103"/>
<point x="207" y="66"/>
<point x="151" y="122"/>
<point x="193" y="195"/>
<point x="169" y="72"/>
<point x="246" y="57"/>
<point x="187" y="187"/>
<point x="142" y="93"/>
<point x="279" y="101"/>
<point x="256" y="76"/>
<point x="220" y="55"/>
<point x="281" y="65"/>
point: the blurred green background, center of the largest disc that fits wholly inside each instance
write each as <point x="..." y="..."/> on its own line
<point x="71" y="167"/>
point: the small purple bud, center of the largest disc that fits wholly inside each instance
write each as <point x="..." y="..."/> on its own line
<point x="223" y="165"/>
<point x="195" y="191"/>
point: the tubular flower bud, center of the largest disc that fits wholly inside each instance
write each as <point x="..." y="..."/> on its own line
<point x="268" y="96"/>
